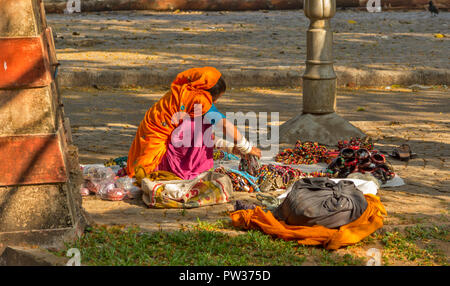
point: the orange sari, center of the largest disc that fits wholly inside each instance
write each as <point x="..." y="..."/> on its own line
<point x="154" y="132"/>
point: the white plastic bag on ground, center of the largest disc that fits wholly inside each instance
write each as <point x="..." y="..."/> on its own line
<point x="98" y="173"/>
<point x="127" y="184"/>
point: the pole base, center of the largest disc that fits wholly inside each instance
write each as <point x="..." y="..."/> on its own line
<point x="326" y="129"/>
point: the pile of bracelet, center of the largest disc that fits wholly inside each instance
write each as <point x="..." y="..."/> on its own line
<point x="356" y="143"/>
<point x="356" y="159"/>
<point x="250" y="164"/>
<point x="319" y="174"/>
<point x="273" y="177"/>
<point x="286" y="173"/>
<point x="242" y="182"/>
<point x="222" y="155"/>
<point x="304" y="153"/>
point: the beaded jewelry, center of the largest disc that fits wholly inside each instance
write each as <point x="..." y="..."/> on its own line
<point x="268" y="175"/>
<point x="249" y="164"/>
<point x="356" y="143"/>
<point x="304" y="153"/>
<point x="223" y="155"/>
<point x="242" y="182"/>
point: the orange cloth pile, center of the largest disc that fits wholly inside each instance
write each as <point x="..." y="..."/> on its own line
<point x="187" y="90"/>
<point x="348" y="234"/>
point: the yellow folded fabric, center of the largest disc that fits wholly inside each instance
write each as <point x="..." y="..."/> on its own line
<point x="140" y="174"/>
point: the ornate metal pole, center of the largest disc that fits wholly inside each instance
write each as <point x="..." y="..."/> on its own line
<point x="319" y="80"/>
<point x="319" y="122"/>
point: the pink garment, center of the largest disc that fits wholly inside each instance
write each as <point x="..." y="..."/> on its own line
<point x="195" y="157"/>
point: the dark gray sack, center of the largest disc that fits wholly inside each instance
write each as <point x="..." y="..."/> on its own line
<point x="320" y="201"/>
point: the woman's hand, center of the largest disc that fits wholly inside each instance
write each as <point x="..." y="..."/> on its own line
<point x="256" y="152"/>
<point x="236" y="151"/>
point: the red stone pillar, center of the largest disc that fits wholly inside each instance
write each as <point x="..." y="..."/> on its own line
<point x="40" y="201"/>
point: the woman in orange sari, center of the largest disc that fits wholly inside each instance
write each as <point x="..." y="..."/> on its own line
<point x="160" y="142"/>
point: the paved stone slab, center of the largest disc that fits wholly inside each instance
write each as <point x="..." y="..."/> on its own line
<point x="250" y="48"/>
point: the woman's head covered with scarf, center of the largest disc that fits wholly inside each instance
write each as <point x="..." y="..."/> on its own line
<point x="196" y="86"/>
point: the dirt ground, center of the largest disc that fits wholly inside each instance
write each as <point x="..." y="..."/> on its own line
<point x="104" y="123"/>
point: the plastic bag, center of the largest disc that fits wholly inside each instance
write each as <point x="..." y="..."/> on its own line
<point x="93" y="187"/>
<point x="84" y="192"/>
<point x="105" y="188"/>
<point x="98" y="173"/>
<point x="113" y="194"/>
<point x="115" y="169"/>
<point x="126" y="183"/>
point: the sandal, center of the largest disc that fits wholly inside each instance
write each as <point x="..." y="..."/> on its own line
<point x="402" y="153"/>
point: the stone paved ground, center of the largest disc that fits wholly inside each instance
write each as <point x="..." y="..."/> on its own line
<point x="260" y="48"/>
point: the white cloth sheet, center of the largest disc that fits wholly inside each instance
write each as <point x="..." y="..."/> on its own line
<point x="367" y="187"/>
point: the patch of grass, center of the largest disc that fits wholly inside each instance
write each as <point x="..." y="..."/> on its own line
<point x="408" y="219"/>
<point x="397" y="247"/>
<point x="404" y="247"/>
<point x="419" y="232"/>
<point x="210" y="226"/>
<point x="328" y="258"/>
<point x="204" y="245"/>
<point x="130" y="246"/>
